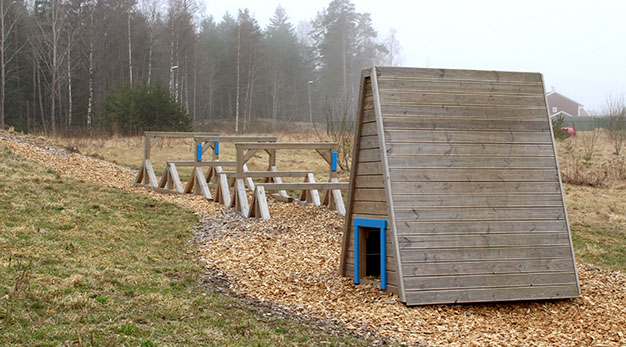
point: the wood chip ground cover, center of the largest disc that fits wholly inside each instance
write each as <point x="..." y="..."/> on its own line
<point x="292" y="261"/>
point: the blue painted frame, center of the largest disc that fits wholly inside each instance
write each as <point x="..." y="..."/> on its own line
<point x="199" y="152"/>
<point x="333" y="165"/>
<point x="217" y="147"/>
<point x="380" y="224"/>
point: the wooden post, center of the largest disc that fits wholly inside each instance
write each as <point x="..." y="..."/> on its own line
<point x="146" y="147"/>
<point x="239" y="167"/>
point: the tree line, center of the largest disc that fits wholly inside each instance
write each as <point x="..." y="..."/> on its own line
<point x="64" y="63"/>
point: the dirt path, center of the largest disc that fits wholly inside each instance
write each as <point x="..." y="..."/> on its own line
<point x="292" y="260"/>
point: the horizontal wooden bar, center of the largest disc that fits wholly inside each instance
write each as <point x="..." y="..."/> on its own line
<point x="484" y="253"/>
<point x="424" y="85"/>
<point x="202" y="163"/>
<point x="305" y="186"/>
<point x="458" y="75"/>
<point x="177" y="134"/>
<point x="480" y="227"/>
<point x="235" y="138"/>
<point x="287" y="145"/>
<point x="431" y="214"/>
<point x="269" y="173"/>
<point x="559" y="291"/>
<point x="492" y="267"/>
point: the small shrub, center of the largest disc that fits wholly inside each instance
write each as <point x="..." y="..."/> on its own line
<point x="132" y="109"/>
<point x="557" y="128"/>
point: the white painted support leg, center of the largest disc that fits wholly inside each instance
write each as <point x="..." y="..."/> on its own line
<point x="197" y="184"/>
<point x="311" y="196"/>
<point x="259" y="208"/>
<point x="211" y="176"/>
<point x="334" y="200"/>
<point x="146" y="175"/>
<point x="222" y="193"/>
<point x="249" y="180"/>
<point x="174" y="181"/>
<point x="283" y="194"/>
<point x="240" y="199"/>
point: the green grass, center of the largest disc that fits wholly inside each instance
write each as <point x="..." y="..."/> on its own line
<point x="600" y="244"/>
<point x="85" y="264"/>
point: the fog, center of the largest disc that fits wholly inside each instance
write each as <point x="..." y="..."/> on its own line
<point x="577" y="45"/>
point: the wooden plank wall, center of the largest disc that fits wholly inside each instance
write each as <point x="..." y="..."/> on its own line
<point x="368" y="200"/>
<point x="475" y="184"/>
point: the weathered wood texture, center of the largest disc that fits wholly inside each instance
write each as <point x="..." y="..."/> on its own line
<point x="477" y="201"/>
<point x="366" y="200"/>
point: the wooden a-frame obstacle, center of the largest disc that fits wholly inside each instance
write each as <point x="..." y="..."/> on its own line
<point x="170" y="181"/>
<point x="146" y="176"/>
<point x="455" y="191"/>
<point x="216" y="176"/>
<point x="310" y="195"/>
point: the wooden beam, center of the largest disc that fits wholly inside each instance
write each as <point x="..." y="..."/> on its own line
<point x="358" y="129"/>
<point x="326" y="155"/>
<point x="178" y="134"/>
<point x="201" y="163"/>
<point x="248" y="155"/>
<point x="199" y="139"/>
<point x="387" y="181"/>
<point x="304" y="185"/>
<point x="288" y="145"/>
<point x="264" y="174"/>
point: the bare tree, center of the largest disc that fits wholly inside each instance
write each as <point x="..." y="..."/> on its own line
<point x="394" y="50"/>
<point x="131" y="4"/>
<point x="150" y="9"/>
<point x="238" y="76"/>
<point x="615" y="111"/>
<point x="50" y="27"/>
<point x="8" y="21"/>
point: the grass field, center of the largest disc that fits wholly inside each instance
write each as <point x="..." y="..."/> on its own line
<point x="88" y="265"/>
<point x="596" y="203"/>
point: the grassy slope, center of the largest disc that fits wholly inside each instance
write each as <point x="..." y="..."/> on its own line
<point x="84" y="263"/>
<point x="598" y="221"/>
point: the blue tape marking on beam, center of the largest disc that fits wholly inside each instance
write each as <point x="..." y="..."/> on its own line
<point x="199" y="152"/>
<point x="356" y="255"/>
<point x="217" y="147"/>
<point x="371" y="223"/>
<point x="333" y="165"/>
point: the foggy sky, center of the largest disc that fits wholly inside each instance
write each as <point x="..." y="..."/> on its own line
<point x="579" y="46"/>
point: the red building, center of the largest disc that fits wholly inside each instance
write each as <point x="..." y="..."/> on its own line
<point x="559" y="104"/>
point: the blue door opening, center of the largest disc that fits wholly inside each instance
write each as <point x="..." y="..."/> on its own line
<point x="374" y="258"/>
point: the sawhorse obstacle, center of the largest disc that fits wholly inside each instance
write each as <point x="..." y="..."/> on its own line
<point x="245" y="151"/>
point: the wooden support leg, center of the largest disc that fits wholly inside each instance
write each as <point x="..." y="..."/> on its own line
<point x="174" y="181"/>
<point x="281" y="193"/>
<point x="146" y="176"/>
<point x="259" y="208"/>
<point x="240" y="199"/>
<point x="197" y="184"/>
<point x="165" y="178"/>
<point x="211" y="176"/>
<point x="311" y="196"/>
<point x="334" y="200"/>
<point x="222" y="192"/>
<point x="249" y="180"/>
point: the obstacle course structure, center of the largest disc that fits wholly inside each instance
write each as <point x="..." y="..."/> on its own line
<point x="455" y="193"/>
<point x="236" y="181"/>
<point x="309" y="188"/>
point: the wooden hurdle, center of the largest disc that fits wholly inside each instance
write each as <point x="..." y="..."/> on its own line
<point x="146" y="176"/>
<point x="309" y="188"/>
<point x="216" y="176"/>
<point x="197" y="184"/>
